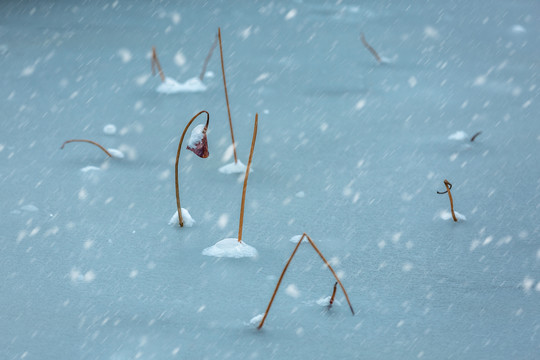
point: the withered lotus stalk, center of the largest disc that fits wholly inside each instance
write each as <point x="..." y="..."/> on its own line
<point x="87" y="141"/>
<point x="285" y="269"/>
<point x="448" y="187"/>
<point x="200" y="148"/>
<point x="155" y="62"/>
<point x="331" y="302"/>
<point x="371" y="49"/>
<point x="208" y="57"/>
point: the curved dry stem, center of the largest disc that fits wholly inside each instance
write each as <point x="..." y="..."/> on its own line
<point x="226" y="95"/>
<point x="87" y="141"/>
<point x="176" y="174"/>
<point x="155" y="62"/>
<point x="371" y="50"/>
<point x="208" y="57"/>
<point x="285" y="269"/>
<point x="448" y="187"/>
<point x="246" y="178"/>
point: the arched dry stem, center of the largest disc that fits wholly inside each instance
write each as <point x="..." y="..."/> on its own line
<point x="448" y="187"/>
<point x="285" y="269"/>
<point x="176" y="174"/>
<point x="155" y="62"/>
<point x="246" y="178"/>
<point x="371" y="50"/>
<point x="87" y="141"/>
<point x="227" y="96"/>
<point x="208" y="57"/>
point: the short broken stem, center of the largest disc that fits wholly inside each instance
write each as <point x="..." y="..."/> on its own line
<point x="371" y="50"/>
<point x="176" y="174"/>
<point x="87" y="141"/>
<point x="155" y="62"/>
<point x="246" y="178"/>
<point x="285" y="269"/>
<point x="208" y="57"/>
<point x="227" y="96"/>
<point x="475" y="135"/>
<point x="333" y="296"/>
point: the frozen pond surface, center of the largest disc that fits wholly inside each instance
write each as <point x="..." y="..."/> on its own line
<point x="350" y="151"/>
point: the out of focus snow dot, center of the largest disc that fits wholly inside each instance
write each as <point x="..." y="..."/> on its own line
<point x="223" y="221"/>
<point x="458" y="136"/>
<point x="125" y="55"/>
<point x="300" y="331"/>
<point x="360" y="104"/>
<point x="292" y="291"/>
<point x="407" y="267"/>
<point x="300" y="194"/>
<point x="412" y="81"/>
<point x="179" y="59"/>
<point x="83" y="194"/>
<point x="518" y="29"/>
<point x="291" y="14"/>
<point x="201" y="309"/>
<point x="431" y="32"/>
<point x="109" y="129"/>
<point x="262" y="77"/>
<point x="133" y="274"/>
<point x="88" y="244"/>
<point x="175" y="17"/>
<point x="29" y="70"/>
<point x="527" y="283"/>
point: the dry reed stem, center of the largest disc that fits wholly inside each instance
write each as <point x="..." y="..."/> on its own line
<point x="285" y="269"/>
<point x="371" y="50"/>
<point x="246" y="178"/>
<point x="475" y="135"/>
<point x="448" y="187"/>
<point x="87" y="141"/>
<point x="176" y="175"/>
<point x="155" y="62"/>
<point x="333" y="295"/>
<point x="226" y="95"/>
<point x="208" y="57"/>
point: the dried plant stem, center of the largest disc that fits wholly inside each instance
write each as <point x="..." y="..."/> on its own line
<point x="226" y="95"/>
<point x="87" y="141"/>
<point x="208" y="57"/>
<point x="246" y="178"/>
<point x="285" y="269"/>
<point x="155" y="62"/>
<point x="333" y="296"/>
<point x="371" y="50"/>
<point x="448" y="187"/>
<point x="475" y="135"/>
<point x="176" y="174"/>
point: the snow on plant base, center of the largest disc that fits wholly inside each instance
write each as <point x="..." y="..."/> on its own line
<point x="186" y="216"/>
<point x="233" y="168"/>
<point x="171" y="86"/>
<point x="230" y="248"/>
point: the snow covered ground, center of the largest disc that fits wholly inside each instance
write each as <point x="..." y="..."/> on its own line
<point x="90" y="269"/>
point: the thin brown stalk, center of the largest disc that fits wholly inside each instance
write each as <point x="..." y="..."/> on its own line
<point x="155" y="62"/>
<point x="371" y="50"/>
<point x="87" y="141"/>
<point x="226" y="95"/>
<point x="285" y="269"/>
<point x="475" y="135"/>
<point x="448" y="187"/>
<point x="246" y="178"/>
<point x="208" y="57"/>
<point x="176" y="174"/>
<point x="331" y="302"/>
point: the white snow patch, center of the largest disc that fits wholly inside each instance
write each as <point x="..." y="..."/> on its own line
<point x="109" y="129"/>
<point x="231" y="248"/>
<point x="90" y="169"/>
<point x="292" y="291"/>
<point x="196" y="136"/>
<point x="188" y="220"/>
<point x="209" y="74"/>
<point x="447" y="215"/>
<point x="171" y="86"/>
<point x="256" y="320"/>
<point x="458" y="136"/>
<point x="291" y="14"/>
<point x="234" y="168"/>
<point x="116" y="153"/>
<point x="296" y="238"/>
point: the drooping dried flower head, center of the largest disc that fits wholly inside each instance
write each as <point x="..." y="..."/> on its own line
<point x="198" y="143"/>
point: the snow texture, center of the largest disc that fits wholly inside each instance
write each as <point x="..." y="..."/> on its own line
<point x="230" y="248"/>
<point x="186" y="216"/>
<point x="234" y="168"/>
<point x="109" y="129"/>
<point x="171" y="86"/>
<point x="196" y="136"/>
<point x="447" y="215"/>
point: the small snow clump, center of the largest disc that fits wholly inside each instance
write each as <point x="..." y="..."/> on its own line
<point x="188" y="220"/>
<point x="231" y="248"/>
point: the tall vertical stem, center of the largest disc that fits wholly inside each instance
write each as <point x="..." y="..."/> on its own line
<point x="176" y="174"/>
<point x="246" y="178"/>
<point x="203" y="71"/>
<point x="226" y="95"/>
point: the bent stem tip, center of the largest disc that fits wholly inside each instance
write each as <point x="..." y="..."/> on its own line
<point x="87" y="141"/>
<point x="475" y="135"/>
<point x="371" y="49"/>
<point x="240" y="226"/>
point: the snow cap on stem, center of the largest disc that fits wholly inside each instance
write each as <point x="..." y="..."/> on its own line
<point x="198" y="143"/>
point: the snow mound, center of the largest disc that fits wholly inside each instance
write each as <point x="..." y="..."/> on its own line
<point x="256" y="320"/>
<point x="109" y="129"/>
<point x="296" y="238"/>
<point x="458" y="136"/>
<point x="116" y="153"/>
<point x="325" y="301"/>
<point x="234" y="168"/>
<point x="188" y="220"/>
<point x="447" y="215"/>
<point x="231" y="248"/>
<point x="171" y="86"/>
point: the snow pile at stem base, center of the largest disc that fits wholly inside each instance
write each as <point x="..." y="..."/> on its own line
<point x="256" y="320"/>
<point x="447" y="215"/>
<point x="171" y="86"/>
<point x="188" y="220"/>
<point x="116" y="153"/>
<point x="325" y="301"/>
<point x="231" y="248"/>
<point x="234" y="168"/>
